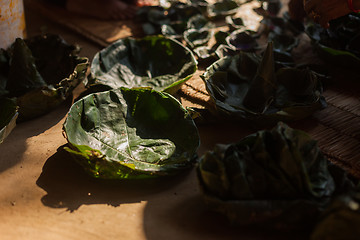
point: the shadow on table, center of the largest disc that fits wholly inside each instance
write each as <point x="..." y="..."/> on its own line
<point x="190" y="219"/>
<point x="68" y="186"/>
<point x="14" y="145"/>
<point x="181" y="214"/>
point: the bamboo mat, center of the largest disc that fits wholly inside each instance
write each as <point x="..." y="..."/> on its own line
<point x="336" y="128"/>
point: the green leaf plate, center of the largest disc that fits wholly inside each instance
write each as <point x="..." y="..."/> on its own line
<point x="131" y="134"/>
<point x="154" y="61"/>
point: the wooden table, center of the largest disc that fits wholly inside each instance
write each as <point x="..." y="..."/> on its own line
<point x="45" y="195"/>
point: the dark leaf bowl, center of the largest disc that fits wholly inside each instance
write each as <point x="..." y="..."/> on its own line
<point x="221" y="9"/>
<point x="248" y="87"/>
<point x="41" y="73"/>
<point x="197" y="37"/>
<point x="242" y="40"/>
<point x="234" y="23"/>
<point x="337" y="45"/>
<point x="277" y="179"/>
